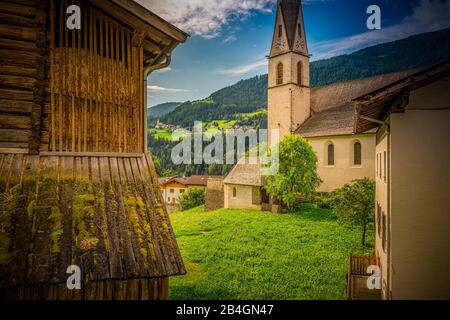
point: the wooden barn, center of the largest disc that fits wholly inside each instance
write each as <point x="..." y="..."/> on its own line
<point x="76" y="185"/>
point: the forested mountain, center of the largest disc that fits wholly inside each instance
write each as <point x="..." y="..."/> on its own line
<point x="251" y="94"/>
<point x="161" y="109"/>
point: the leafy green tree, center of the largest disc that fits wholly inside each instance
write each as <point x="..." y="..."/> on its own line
<point x="194" y="197"/>
<point x="297" y="174"/>
<point x="354" y="204"/>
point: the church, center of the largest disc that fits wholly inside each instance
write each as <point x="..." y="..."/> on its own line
<point x="324" y="115"/>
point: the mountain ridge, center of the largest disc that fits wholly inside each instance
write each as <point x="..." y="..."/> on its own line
<point x="250" y="95"/>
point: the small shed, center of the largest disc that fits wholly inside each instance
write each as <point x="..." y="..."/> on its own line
<point x="243" y="186"/>
<point x="76" y="184"/>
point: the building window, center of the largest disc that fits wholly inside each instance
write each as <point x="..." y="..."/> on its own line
<point x="383" y="235"/>
<point x="280" y="73"/>
<point x="357" y="154"/>
<point x="384" y="165"/>
<point x="299" y="28"/>
<point x="168" y="199"/>
<point x="171" y="190"/>
<point x="376" y="167"/>
<point x="280" y="31"/>
<point x="330" y="154"/>
<point x="379" y="165"/>
<point x="379" y="220"/>
<point x="299" y="73"/>
<point x="234" y="192"/>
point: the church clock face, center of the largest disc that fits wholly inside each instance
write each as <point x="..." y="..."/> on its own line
<point x="280" y="44"/>
<point x="300" y="44"/>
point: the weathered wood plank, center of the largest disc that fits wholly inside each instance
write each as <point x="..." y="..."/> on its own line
<point x="17" y="70"/>
<point x="18" y="9"/>
<point x="18" y="45"/>
<point x="15" y="20"/>
<point x="18" y="33"/>
<point x="18" y="57"/>
<point x="103" y="250"/>
<point x="14" y="135"/>
<point x="17" y="82"/>
<point x="14" y="94"/>
<point x="110" y="207"/>
<point x="14" y="122"/>
<point x="15" y="106"/>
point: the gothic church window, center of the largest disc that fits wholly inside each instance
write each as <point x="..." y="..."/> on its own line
<point x="330" y="154"/>
<point x="357" y="154"/>
<point x="299" y="73"/>
<point x="299" y="28"/>
<point x="280" y="31"/>
<point x="280" y="73"/>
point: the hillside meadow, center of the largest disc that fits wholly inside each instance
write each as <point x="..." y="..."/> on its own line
<point x="246" y="254"/>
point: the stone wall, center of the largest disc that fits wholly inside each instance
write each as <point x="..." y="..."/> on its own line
<point x="214" y="194"/>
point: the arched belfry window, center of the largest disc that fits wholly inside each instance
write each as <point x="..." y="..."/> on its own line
<point x="234" y="192"/>
<point x="280" y="73"/>
<point x="280" y="31"/>
<point x="299" y="73"/>
<point x="299" y="29"/>
<point x="357" y="153"/>
<point x="330" y="154"/>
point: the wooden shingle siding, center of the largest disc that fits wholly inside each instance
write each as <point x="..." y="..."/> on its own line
<point x="95" y="85"/>
<point x="103" y="214"/>
<point x="19" y="70"/>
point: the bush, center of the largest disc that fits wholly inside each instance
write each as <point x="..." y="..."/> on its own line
<point x="354" y="204"/>
<point x="297" y="177"/>
<point x="194" y="197"/>
<point x="323" y="200"/>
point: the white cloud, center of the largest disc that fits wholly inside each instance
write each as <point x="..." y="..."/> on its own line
<point x="229" y="39"/>
<point x="155" y="88"/>
<point x="164" y="70"/>
<point x="244" y="69"/>
<point x="205" y="18"/>
<point x="430" y="15"/>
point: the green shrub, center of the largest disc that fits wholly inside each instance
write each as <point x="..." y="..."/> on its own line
<point x="194" y="197"/>
<point x="354" y="204"/>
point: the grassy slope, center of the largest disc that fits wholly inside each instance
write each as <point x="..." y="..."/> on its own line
<point x="245" y="254"/>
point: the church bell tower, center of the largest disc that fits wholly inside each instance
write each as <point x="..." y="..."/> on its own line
<point x="288" y="88"/>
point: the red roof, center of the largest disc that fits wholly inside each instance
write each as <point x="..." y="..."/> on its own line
<point x="197" y="181"/>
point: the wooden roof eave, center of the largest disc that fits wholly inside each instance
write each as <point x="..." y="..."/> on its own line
<point x="157" y="31"/>
<point x="153" y="19"/>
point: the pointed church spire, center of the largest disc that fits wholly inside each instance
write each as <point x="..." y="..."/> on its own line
<point x="289" y="34"/>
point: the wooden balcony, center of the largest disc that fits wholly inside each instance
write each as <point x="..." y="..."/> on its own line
<point x="357" y="279"/>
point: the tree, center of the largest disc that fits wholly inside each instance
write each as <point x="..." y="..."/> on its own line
<point x="297" y="174"/>
<point x="194" y="197"/>
<point x="354" y="204"/>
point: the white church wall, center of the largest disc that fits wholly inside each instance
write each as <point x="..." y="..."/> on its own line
<point x="343" y="171"/>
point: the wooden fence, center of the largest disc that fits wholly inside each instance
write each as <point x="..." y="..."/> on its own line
<point x="357" y="266"/>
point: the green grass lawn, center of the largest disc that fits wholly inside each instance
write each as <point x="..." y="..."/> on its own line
<point x="245" y="254"/>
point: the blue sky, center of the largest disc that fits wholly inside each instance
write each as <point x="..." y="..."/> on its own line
<point x="230" y="38"/>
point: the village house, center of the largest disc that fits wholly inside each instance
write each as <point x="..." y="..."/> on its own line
<point x="411" y="118"/>
<point x="77" y="187"/>
<point x="172" y="188"/>
<point x="243" y="186"/>
<point x="197" y="181"/>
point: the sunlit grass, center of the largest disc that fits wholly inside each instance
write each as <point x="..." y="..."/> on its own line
<point x="245" y="254"/>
